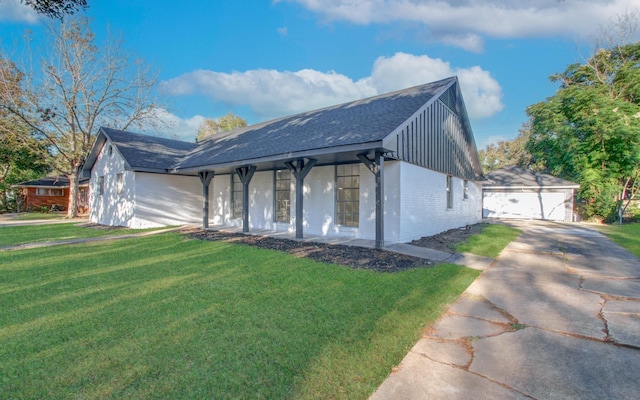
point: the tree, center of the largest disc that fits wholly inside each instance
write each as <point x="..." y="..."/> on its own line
<point x="225" y="123"/>
<point x="589" y="131"/>
<point x="81" y="87"/>
<point x="56" y="8"/>
<point x="507" y="152"/>
<point x="20" y="157"/>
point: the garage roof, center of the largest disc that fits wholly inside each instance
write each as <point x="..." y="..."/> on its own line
<point x="515" y="177"/>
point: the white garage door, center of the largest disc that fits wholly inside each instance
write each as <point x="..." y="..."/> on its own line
<point x="549" y="205"/>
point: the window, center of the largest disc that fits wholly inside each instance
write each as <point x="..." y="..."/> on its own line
<point x="449" y="191"/>
<point x="120" y="182"/>
<point x="110" y="150"/>
<point x="282" y="190"/>
<point x="49" y="192"/>
<point x="348" y="194"/>
<point x="101" y="185"/>
<point x="236" y="196"/>
<point x="465" y="189"/>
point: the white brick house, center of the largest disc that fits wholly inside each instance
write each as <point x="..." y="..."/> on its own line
<point x="390" y="168"/>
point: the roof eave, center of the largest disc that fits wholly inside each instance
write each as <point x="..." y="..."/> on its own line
<point x="360" y="147"/>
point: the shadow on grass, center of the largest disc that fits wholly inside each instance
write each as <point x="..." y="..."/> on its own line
<point x="163" y="317"/>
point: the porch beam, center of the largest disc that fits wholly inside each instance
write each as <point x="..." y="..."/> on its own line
<point x="300" y="170"/>
<point x="205" y="177"/>
<point x="376" y="166"/>
<point x="245" y="174"/>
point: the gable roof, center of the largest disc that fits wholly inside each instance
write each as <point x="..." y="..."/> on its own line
<point x="355" y="126"/>
<point x="140" y="152"/>
<point x="51" y="182"/>
<point x="331" y="135"/>
<point x="515" y="177"/>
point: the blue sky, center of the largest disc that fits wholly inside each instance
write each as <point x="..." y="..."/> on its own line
<point x="271" y="58"/>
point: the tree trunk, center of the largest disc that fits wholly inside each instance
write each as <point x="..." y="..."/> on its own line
<point x="72" y="211"/>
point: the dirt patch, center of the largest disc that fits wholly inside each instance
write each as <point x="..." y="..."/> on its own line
<point x="353" y="256"/>
<point x="448" y="240"/>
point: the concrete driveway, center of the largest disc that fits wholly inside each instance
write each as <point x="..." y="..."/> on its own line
<point x="557" y="316"/>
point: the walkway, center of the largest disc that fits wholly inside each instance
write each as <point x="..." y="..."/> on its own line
<point x="556" y="317"/>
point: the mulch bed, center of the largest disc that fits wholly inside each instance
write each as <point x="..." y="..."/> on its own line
<point x="353" y="256"/>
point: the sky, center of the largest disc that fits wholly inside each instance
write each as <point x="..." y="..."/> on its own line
<point x="264" y="59"/>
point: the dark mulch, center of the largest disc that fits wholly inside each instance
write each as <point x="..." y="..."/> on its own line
<point x="353" y="256"/>
<point x="448" y="240"/>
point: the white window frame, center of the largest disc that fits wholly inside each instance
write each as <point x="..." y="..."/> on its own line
<point x="347" y="201"/>
<point x="282" y="195"/>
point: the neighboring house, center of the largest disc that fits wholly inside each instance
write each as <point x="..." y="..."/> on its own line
<point x="516" y="192"/>
<point x="393" y="167"/>
<point x="52" y="191"/>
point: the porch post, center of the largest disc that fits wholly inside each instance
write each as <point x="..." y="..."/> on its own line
<point x="300" y="171"/>
<point x="205" y="177"/>
<point x="245" y="174"/>
<point x="377" y="167"/>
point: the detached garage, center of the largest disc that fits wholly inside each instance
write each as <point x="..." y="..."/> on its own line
<point x="515" y="192"/>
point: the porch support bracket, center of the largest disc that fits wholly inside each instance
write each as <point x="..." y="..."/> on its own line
<point x="205" y="177"/>
<point x="376" y="166"/>
<point x="245" y="174"/>
<point x="299" y="170"/>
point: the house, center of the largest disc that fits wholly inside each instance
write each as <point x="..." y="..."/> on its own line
<point x="51" y="192"/>
<point x="393" y="168"/>
<point x="516" y="192"/>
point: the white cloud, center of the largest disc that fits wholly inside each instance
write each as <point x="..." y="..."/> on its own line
<point x="463" y="23"/>
<point x="271" y="93"/>
<point x="13" y="10"/>
<point x="283" y="31"/>
<point x="173" y="127"/>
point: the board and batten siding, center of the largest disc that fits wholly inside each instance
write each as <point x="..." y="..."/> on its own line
<point x="437" y="137"/>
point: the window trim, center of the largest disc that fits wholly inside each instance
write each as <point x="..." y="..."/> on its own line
<point x="101" y="185"/>
<point x="449" y="192"/>
<point x="276" y="213"/>
<point x="120" y="183"/>
<point x="355" y="216"/>
<point x="49" y="192"/>
<point x="234" y="177"/>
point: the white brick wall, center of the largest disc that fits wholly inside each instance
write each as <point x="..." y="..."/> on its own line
<point x="415" y="201"/>
<point x="162" y="199"/>
<point x="423" y="204"/>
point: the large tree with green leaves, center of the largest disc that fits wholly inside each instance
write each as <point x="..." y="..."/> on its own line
<point x="225" y="123"/>
<point x="589" y="131"/>
<point x="507" y="152"/>
<point x="79" y="88"/>
<point x="20" y="155"/>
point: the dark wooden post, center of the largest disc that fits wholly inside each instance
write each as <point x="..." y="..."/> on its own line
<point x="245" y="174"/>
<point x="299" y="171"/>
<point x="205" y="177"/>
<point x="377" y="167"/>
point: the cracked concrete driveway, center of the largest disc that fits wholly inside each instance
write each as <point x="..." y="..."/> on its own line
<point x="557" y="316"/>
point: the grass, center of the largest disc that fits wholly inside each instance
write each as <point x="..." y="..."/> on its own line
<point x="167" y="317"/>
<point x="490" y="241"/>
<point x="626" y="235"/>
<point x="39" y="216"/>
<point x="15" y="235"/>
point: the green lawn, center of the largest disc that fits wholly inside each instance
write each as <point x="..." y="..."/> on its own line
<point x="14" y="235"/>
<point x="626" y="235"/>
<point x="164" y="316"/>
<point x="490" y="241"/>
<point x="30" y="216"/>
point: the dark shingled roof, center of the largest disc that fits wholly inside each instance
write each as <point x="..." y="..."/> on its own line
<point x="51" y="181"/>
<point x="514" y="176"/>
<point x="148" y="153"/>
<point x="358" y="122"/>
